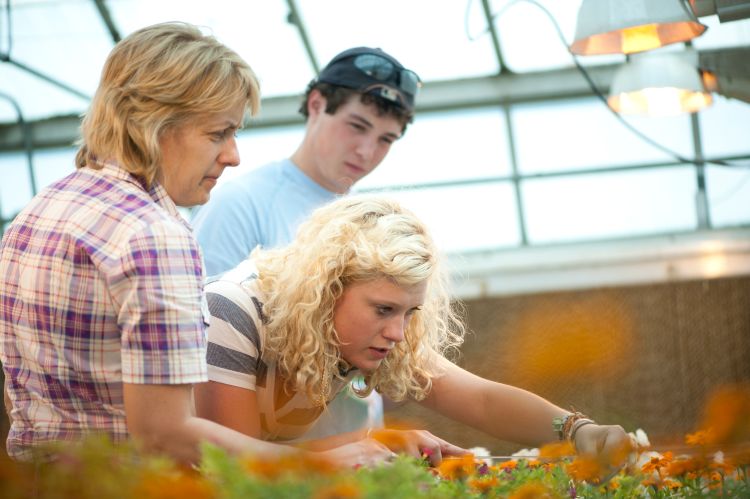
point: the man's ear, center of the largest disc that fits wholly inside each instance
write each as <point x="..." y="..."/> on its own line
<point x="316" y="103"/>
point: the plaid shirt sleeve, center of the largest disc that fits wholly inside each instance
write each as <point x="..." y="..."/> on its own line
<point x="157" y="286"/>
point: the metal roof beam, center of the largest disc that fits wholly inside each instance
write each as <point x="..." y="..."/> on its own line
<point x="62" y="131"/>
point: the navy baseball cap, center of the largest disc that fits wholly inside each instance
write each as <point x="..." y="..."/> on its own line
<point x="372" y="71"/>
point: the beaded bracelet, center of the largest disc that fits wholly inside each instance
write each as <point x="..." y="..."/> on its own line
<point x="566" y="426"/>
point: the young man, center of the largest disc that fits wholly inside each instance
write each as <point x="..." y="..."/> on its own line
<point x="356" y="108"/>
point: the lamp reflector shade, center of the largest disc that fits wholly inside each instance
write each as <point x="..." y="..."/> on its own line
<point x="630" y="26"/>
<point x="658" y="85"/>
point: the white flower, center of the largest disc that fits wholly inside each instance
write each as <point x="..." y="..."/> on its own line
<point x="479" y="453"/>
<point x="639" y="439"/>
<point x="526" y="453"/>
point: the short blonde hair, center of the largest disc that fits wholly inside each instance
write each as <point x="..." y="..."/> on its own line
<point x="157" y="78"/>
<point x="354" y="239"/>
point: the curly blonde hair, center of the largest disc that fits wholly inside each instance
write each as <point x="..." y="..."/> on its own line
<point x="354" y="239"/>
<point x="158" y="78"/>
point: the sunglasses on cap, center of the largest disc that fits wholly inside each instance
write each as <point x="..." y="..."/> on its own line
<point x="381" y="69"/>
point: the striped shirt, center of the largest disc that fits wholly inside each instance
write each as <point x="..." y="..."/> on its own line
<point x="235" y="343"/>
<point x="100" y="285"/>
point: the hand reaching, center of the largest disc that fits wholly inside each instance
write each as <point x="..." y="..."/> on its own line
<point x="609" y="445"/>
<point x="366" y="452"/>
<point x="417" y="443"/>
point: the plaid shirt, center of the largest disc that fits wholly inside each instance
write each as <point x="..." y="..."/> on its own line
<point x="101" y="284"/>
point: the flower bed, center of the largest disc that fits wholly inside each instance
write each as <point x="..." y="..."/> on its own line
<point x="98" y="469"/>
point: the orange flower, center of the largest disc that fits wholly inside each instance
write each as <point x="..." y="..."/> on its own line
<point x="716" y="481"/>
<point x="682" y="467"/>
<point x="657" y="483"/>
<point x="557" y="450"/>
<point x="657" y="463"/>
<point x="532" y="490"/>
<point x="161" y="485"/>
<point x="507" y="466"/>
<point x="651" y="481"/>
<point x="700" y="437"/>
<point x="725" y="468"/>
<point x="342" y="490"/>
<point x="483" y="484"/>
<point x="671" y="484"/>
<point x="585" y="469"/>
<point x="299" y="464"/>
<point x="612" y="485"/>
<point x="393" y="439"/>
<point x="458" y="468"/>
<point x="727" y="414"/>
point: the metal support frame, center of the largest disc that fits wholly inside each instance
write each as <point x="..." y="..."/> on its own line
<point x="27" y="147"/>
<point x="106" y="16"/>
<point x="295" y="19"/>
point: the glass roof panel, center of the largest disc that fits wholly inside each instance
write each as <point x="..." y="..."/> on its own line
<point x="440" y="147"/>
<point x="65" y="41"/>
<point x="264" y="145"/>
<point x="583" y="133"/>
<point x="604" y="205"/>
<point x="529" y="39"/>
<point x="36" y="98"/>
<point x="728" y="194"/>
<point x="725" y="128"/>
<point x="16" y="188"/>
<point x="467" y="217"/>
<point x="429" y="40"/>
<point x="261" y="35"/>
<point x="728" y="34"/>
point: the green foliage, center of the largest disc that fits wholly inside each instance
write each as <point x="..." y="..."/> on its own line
<point x="96" y="469"/>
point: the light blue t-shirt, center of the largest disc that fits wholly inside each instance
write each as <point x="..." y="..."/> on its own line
<point x="262" y="207"/>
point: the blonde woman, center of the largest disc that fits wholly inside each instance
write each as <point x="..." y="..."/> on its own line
<point x="102" y="328"/>
<point x="360" y="291"/>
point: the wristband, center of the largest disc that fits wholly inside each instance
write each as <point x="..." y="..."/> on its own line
<point x="566" y="426"/>
<point x="577" y="426"/>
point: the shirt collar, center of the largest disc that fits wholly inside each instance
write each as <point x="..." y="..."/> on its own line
<point x="157" y="192"/>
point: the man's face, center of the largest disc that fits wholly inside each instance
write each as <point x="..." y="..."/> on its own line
<point x="349" y="144"/>
<point x="195" y="154"/>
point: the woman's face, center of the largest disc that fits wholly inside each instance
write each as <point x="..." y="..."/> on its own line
<point x="370" y="319"/>
<point x="195" y="154"/>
